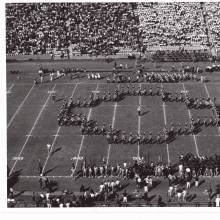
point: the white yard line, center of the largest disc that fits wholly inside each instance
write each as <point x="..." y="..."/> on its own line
<point x="83" y="137"/>
<point x="113" y="124"/>
<point x="105" y="83"/>
<point x="165" y="122"/>
<point x="10" y="88"/>
<point x="206" y="89"/>
<point x="70" y="177"/>
<point x="164" y="114"/>
<point x="207" y="92"/>
<point x="123" y="105"/>
<point x="19" y="107"/>
<point x="79" y="135"/>
<point x="194" y="136"/>
<point x="30" y="133"/>
<point x="33" y="177"/>
<point x="103" y="105"/>
<point x="56" y="135"/>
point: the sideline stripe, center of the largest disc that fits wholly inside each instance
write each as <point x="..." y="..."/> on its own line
<point x="79" y="135"/>
<point x="105" y="83"/>
<point x="37" y="177"/>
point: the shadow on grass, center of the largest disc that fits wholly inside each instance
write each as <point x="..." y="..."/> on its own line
<point x="197" y="130"/>
<point x="60" y="99"/>
<point x="171" y="139"/>
<point x="20" y="193"/>
<point x="217" y="191"/>
<point x="56" y="150"/>
<point x="14" y="178"/>
<point x="78" y="174"/>
<point x="201" y="182"/>
<point x="76" y="76"/>
<point x="53" y="186"/>
<point x="144" y="113"/>
<point x="191" y="197"/>
<point x="116" y="132"/>
<point x="50" y="170"/>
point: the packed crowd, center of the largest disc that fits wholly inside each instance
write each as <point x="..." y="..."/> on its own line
<point x="172" y="24"/>
<point x="180" y="55"/>
<point x="212" y="14"/>
<point x="105" y="28"/>
<point x="95" y="28"/>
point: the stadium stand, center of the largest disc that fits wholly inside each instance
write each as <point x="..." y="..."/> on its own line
<point x="109" y="28"/>
<point x="172" y="24"/>
<point x="94" y="28"/>
<point x="212" y="15"/>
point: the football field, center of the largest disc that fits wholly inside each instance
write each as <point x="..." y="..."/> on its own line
<point x="32" y="123"/>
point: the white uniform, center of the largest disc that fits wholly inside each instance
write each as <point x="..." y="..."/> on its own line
<point x="48" y="148"/>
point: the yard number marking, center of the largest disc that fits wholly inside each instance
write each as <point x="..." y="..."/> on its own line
<point x="17" y="158"/>
<point x="137" y="158"/>
<point x="75" y="158"/>
<point x="185" y="91"/>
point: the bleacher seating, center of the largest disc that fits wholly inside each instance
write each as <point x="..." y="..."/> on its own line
<point x="110" y="28"/>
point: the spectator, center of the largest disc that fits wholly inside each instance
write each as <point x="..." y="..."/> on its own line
<point x="92" y="28"/>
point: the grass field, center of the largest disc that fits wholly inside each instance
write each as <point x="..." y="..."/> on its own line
<point x="32" y="121"/>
